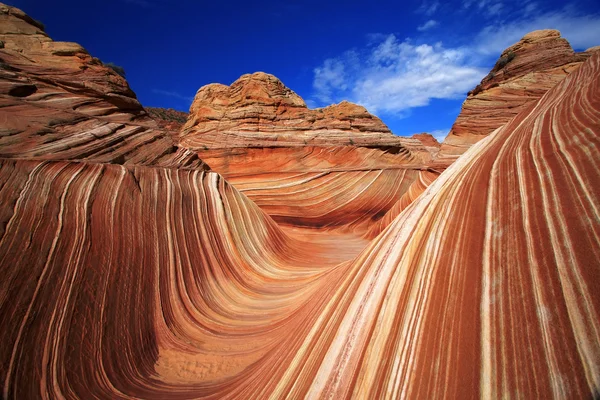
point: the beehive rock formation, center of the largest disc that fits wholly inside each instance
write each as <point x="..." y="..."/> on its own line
<point x="522" y="74"/>
<point x="258" y="110"/>
<point x="155" y="281"/>
<point x="338" y="167"/>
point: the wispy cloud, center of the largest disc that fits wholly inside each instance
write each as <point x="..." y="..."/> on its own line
<point x="427" y="25"/>
<point x="495" y="9"/>
<point x="582" y="31"/>
<point x="173" y="94"/>
<point x="395" y="76"/>
<point x="375" y="38"/>
<point x="390" y="76"/>
<point x="428" y="7"/>
<point x="310" y="103"/>
<point x="329" y="78"/>
<point x="529" y="8"/>
<point x="487" y="8"/>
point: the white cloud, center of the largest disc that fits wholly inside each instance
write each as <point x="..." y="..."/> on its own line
<point x="582" y="31"/>
<point x="440" y="134"/>
<point x="428" y="7"/>
<point x="391" y="76"/>
<point x="395" y="76"/>
<point x="427" y="25"/>
<point x="329" y="77"/>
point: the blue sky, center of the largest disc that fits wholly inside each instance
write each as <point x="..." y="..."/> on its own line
<point x="411" y="63"/>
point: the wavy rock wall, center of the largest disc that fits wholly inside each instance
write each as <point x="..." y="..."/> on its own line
<point x="486" y="285"/>
<point x="207" y="298"/>
<point x="149" y="281"/>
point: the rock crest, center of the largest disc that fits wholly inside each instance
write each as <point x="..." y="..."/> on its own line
<point x="522" y="75"/>
<point x="258" y="110"/>
<point x="59" y="102"/>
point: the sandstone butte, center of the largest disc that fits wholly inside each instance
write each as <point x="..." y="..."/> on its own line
<point x="523" y="73"/>
<point x="336" y="168"/>
<point x="149" y="276"/>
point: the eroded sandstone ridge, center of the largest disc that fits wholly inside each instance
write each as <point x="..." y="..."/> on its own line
<point x="522" y="74"/>
<point x="258" y="110"/>
<point x="59" y="102"/>
<point x="334" y="167"/>
<point x="148" y="281"/>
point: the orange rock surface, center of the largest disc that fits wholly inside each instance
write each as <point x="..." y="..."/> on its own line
<point x="523" y="73"/>
<point x="258" y="110"/>
<point x="140" y="280"/>
<point x="430" y="142"/>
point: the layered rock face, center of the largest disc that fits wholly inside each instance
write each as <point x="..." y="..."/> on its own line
<point x="58" y="102"/>
<point x="123" y="281"/>
<point x="524" y="72"/>
<point x="147" y="281"/>
<point x="335" y="167"/>
<point x="496" y="259"/>
<point x="258" y="110"/>
<point x="431" y="144"/>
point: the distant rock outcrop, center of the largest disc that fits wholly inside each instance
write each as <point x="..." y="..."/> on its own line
<point x="58" y="102"/>
<point x="429" y="141"/>
<point x="170" y="120"/>
<point x="522" y="74"/>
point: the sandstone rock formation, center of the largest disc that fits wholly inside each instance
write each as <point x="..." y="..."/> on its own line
<point x="207" y="298"/>
<point x="430" y="142"/>
<point x="522" y="74"/>
<point x="335" y="167"/>
<point x="58" y="102"/>
<point x="166" y="281"/>
<point x="496" y="259"/>
<point x="170" y="120"/>
<point x="258" y="110"/>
